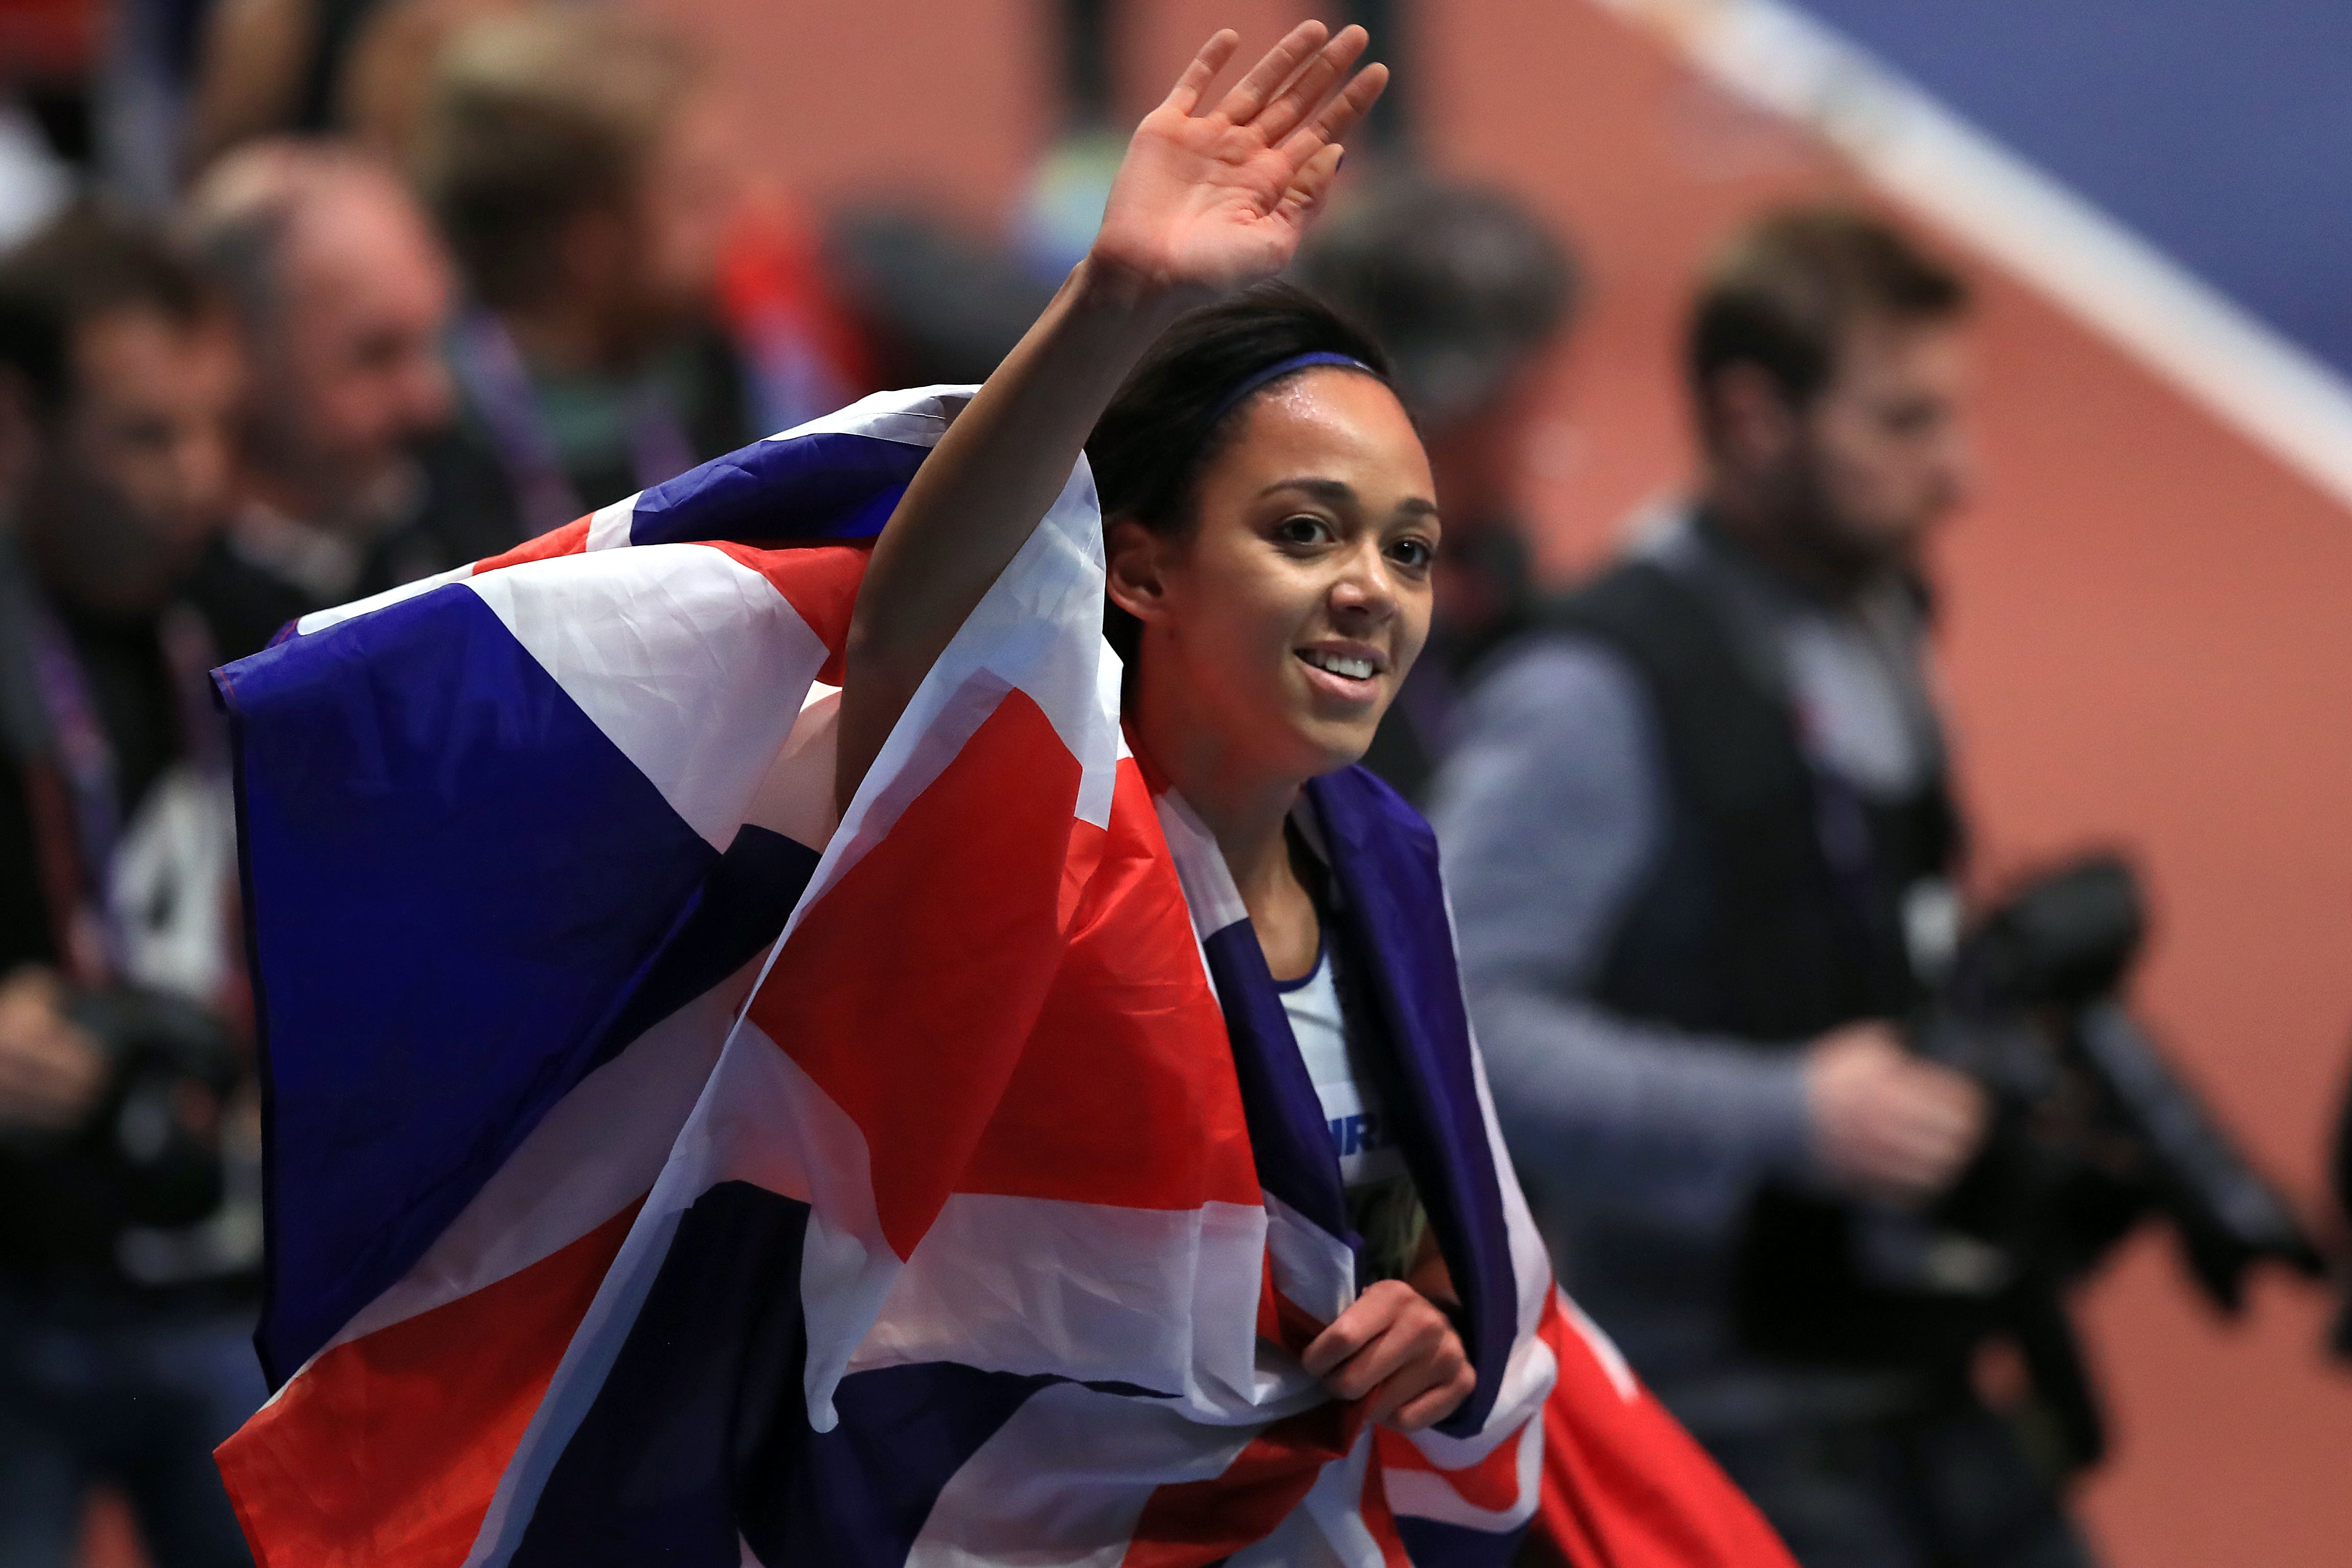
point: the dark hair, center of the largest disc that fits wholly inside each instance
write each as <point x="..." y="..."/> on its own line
<point x="1783" y="294"/>
<point x="1171" y="418"/>
<point x="1462" y="283"/>
<point x="86" y="264"/>
<point x="533" y="119"/>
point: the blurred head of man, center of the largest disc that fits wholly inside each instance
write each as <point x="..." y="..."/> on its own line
<point x="1827" y="369"/>
<point x="342" y="292"/>
<point x="118" y="382"/>
<point x="584" y="177"/>
<point x="1472" y="294"/>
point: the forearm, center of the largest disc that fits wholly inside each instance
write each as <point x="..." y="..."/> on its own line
<point x="1553" y="816"/>
<point x="982" y="492"/>
<point x="1634" y="1115"/>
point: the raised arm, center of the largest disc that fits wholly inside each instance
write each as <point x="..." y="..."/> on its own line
<point x="1202" y="204"/>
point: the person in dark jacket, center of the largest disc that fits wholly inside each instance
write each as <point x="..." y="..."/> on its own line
<point x="130" y="1224"/>
<point x="1702" y="839"/>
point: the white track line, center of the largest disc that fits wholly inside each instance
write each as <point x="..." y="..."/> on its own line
<point x="1921" y="153"/>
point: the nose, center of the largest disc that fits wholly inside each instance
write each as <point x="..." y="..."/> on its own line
<point x="198" y="477"/>
<point x="1364" y="593"/>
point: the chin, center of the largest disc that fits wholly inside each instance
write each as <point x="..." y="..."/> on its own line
<point x="1327" y="747"/>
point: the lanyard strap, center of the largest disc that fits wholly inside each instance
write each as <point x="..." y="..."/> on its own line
<point x="495" y="377"/>
<point x="87" y="761"/>
<point x="85" y="755"/>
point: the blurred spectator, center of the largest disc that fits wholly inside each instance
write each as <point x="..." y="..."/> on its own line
<point x="271" y="65"/>
<point x="130" y="1234"/>
<point x="1472" y="295"/>
<point x="937" y="305"/>
<point x="310" y="67"/>
<point x="350" y="477"/>
<point x="1700" y="831"/>
<point x="153" y="52"/>
<point x="582" y="177"/>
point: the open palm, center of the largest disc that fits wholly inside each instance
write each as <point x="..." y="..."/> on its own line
<point x="1206" y="202"/>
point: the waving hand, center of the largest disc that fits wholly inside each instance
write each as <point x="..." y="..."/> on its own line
<point x="1203" y="203"/>
<point x="1208" y="201"/>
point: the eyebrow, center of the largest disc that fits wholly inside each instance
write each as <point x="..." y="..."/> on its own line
<point x="1337" y="493"/>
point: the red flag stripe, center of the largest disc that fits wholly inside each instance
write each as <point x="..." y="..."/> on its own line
<point x="386" y="1450"/>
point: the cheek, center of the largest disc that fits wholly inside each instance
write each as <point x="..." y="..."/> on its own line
<point x="1864" y="480"/>
<point x="1236" y="614"/>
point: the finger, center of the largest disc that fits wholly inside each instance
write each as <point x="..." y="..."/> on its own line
<point x="1340" y="116"/>
<point x="1434" y="1405"/>
<point x="1414" y="1379"/>
<point x="1937" y="1133"/>
<point x="1304" y="92"/>
<point x="1186" y="94"/>
<point x="1311" y="185"/>
<point x="1267" y="77"/>
<point x="1401" y="1345"/>
<point x="1349" y="1332"/>
<point x="1364" y="1321"/>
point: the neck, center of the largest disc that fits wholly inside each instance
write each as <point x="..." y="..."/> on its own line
<point x="311" y="499"/>
<point x="1244" y="806"/>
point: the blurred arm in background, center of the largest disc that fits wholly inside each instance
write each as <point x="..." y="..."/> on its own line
<point x="1551" y="814"/>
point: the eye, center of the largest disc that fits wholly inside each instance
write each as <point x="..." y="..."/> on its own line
<point x="1302" y="529"/>
<point x="1412" y="553"/>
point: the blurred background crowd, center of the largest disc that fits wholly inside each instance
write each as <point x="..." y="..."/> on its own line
<point x="303" y="301"/>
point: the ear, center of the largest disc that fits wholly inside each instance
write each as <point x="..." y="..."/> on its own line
<point x="1134" y="557"/>
<point x="1753" y="425"/>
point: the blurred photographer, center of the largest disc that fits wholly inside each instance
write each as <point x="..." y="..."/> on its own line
<point x="126" y="1272"/>
<point x="1700" y="831"/>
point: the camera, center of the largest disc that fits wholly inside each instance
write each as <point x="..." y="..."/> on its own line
<point x="148" y="1155"/>
<point x="2092" y="1132"/>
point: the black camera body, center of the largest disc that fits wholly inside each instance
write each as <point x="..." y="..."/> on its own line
<point x="147" y="1155"/>
<point x="2092" y="1132"/>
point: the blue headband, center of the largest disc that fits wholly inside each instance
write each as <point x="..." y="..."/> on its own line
<point x="1280" y="368"/>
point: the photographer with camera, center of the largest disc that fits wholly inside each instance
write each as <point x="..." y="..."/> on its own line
<point x="1700" y="834"/>
<point x="126" y="1272"/>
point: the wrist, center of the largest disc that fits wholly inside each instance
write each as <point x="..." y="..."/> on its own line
<point x="1099" y="284"/>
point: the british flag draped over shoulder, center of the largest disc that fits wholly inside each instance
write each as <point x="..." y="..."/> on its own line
<point x="978" y="1218"/>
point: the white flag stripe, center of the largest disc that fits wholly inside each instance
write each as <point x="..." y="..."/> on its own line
<point x="1161" y="1299"/>
<point x="762" y="1121"/>
<point x="1064" y="1480"/>
<point x="652" y="645"/>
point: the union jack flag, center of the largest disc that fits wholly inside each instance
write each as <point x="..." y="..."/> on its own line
<point x="660" y="1168"/>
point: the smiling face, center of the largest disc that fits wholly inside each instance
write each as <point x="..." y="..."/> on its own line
<point x="1277" y="626"/>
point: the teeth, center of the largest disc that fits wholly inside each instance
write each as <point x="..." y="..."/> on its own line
<point x="1354" y="669"/>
